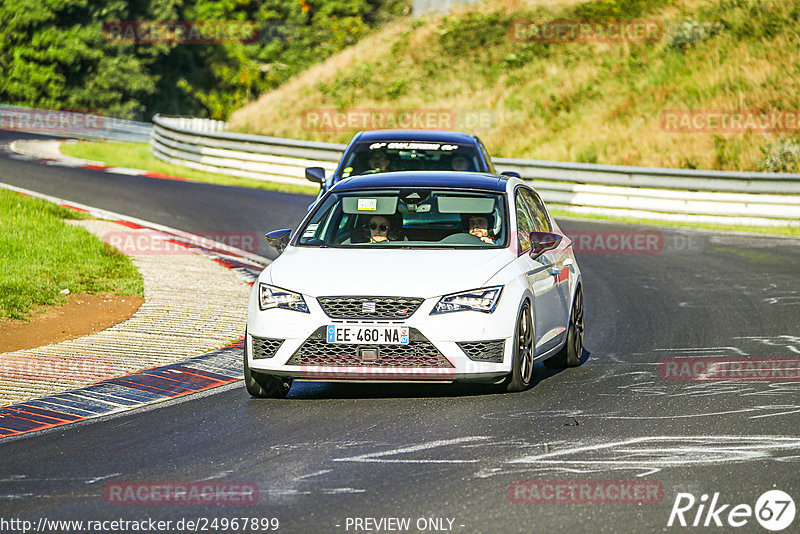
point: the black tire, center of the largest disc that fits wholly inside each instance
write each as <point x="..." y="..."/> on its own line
<point x="570" y="354"/>
<point x="262" y="385"/>
<point x="522" y="360"/>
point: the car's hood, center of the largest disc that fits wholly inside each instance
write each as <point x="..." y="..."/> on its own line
<point x="413" y="273"/>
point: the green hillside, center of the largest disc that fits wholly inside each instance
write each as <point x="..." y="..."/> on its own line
<point x="484" y="69"/>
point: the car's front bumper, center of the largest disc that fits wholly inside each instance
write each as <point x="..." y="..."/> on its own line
<point x="467" y="345"/>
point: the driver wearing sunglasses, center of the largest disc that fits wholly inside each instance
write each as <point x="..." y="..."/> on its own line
<point x="378" y="229"/>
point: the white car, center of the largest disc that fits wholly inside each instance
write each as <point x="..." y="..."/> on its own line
<point x="416" y="276"/>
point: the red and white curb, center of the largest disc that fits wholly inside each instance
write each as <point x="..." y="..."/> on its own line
<point x="209" y="370"/>
<point x="47" y="153"/>
<point x="208" y="247"/>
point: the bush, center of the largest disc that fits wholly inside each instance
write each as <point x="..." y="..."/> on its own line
<point x="692" y="32"/>
<point x="460" y="36"/>
<point x="615" y="9"/>
<point x="781" y="156"/>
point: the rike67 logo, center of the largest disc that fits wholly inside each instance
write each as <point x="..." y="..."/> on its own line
<point x="774" y="510"/>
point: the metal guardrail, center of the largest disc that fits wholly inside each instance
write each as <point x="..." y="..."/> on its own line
<point x="72" y="124"/>
<point x="746" y="198"/>
<point x="249" y="156"/>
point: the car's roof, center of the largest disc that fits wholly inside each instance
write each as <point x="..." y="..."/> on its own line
<point x="415" y="135"/>
<point x="446" y="179"/>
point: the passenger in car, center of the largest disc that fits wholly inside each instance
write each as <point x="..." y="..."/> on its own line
<point x="378" y="161"/>
<point x="479" y="227"/>
<point x="382" y="229"/>
<point x="378" y="229"/>
<point x="460" y="163"/>
<point x="385" y="228"/>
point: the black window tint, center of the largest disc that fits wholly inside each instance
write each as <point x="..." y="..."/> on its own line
<point x="489" y="164"/>
<point x="390" y="156"/>
<point x="423" y="217"/>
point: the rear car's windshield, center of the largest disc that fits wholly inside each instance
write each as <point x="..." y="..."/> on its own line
<point x="388" y="156"/>
<point x="408" y="218"/>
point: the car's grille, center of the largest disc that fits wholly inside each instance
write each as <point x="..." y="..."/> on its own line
<point x="419" y="352"/>
<point x="383" y="308"/>
<point x="483" y="351"/>
<point x="265" y="347"/>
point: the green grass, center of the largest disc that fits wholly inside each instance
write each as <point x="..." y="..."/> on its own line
<point x="41" y="255"/>
<point x="138" y="156"/>
<point x="751" y="255"/>
<point x="565" y="101"/>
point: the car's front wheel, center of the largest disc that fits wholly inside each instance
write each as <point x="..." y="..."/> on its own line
<point x="570" y="353"/>
<point x="262" y="385"/>
<point x="522" y="362"/>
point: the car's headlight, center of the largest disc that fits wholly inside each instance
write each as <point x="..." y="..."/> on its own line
<point x="275" y="297"/>
<point x="482" y="300"/>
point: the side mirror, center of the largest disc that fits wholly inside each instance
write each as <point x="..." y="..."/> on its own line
<point x="543" y="241"/>
<point x="512" y="174"/>
<point x="316" y="175"/>
<point x="279" y="239"/>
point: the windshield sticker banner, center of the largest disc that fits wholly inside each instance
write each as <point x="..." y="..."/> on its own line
<point x="367" y="204"/>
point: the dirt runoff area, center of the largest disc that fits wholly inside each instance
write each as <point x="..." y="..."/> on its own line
<point x="80" y="316"/>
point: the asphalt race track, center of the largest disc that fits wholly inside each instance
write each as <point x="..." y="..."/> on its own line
<point x="446" y="457"/>
<point x="208" y="209"/>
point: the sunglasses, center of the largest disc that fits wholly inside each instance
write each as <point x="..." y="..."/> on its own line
<point x="376" y="226"/>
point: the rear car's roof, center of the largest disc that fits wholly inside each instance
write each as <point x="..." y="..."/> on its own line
<point x="415" y="135"/>
<point x="446" y="179"/>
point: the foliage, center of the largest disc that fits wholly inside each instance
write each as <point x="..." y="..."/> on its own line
<point x="691" y="32"/>
<point x="592" y="100"/>
<point x="56" y="55"/>
<point x="615" y="9"/>
<point x="780" y="156"/>
<point x="473" y="31"/>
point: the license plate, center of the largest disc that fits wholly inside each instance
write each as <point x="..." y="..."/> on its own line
<point x="368" y="335"/>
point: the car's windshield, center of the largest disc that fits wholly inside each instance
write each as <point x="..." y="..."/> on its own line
<point x="408" y="218"/>
<point x="387" y="156"/>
